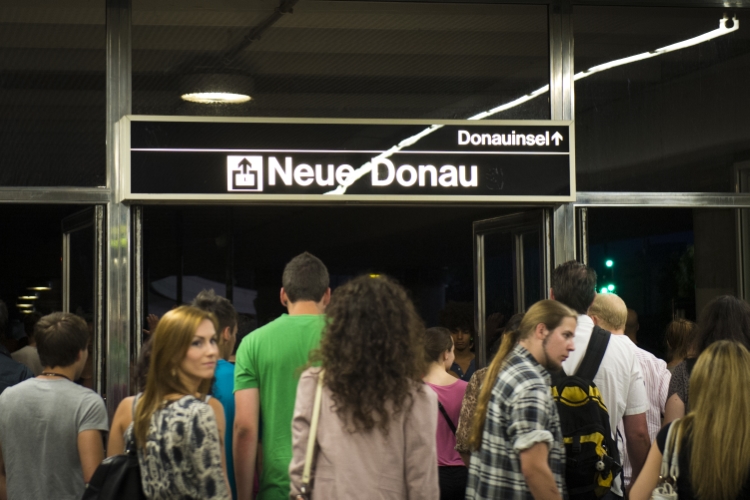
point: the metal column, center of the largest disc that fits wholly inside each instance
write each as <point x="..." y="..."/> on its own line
<point x="562" y="108"/>
<point x="137" y="265"/>
<point x="118" y="320"/>
<point x="564" y="234"/>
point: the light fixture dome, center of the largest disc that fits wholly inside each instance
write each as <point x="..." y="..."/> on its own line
<point x="216" y="88"/>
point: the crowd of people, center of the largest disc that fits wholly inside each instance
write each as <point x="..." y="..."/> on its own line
<point x="347" y="395"/>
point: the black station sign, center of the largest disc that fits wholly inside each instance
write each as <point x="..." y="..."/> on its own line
<point x="178" y="158"/>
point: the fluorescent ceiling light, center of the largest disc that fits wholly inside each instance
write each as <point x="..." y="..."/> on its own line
<point x="26" y="311"/>
<point x="216" y="88"/>
<point x="25" y="306"/>
<point x="367" y="167"/>
<point x="216" y="98"/>
<point x="720" y="31"/>
<point x="28" y="297"/>
<point x="40" y="288"/>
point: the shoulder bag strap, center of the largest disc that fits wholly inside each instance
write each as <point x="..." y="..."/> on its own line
<point x="312" y="437"/>
<point x="594" y="354"/>
<point x="447" y="418"/>
<point x="130" y="445"/>
<point x="674" y="468"/>
<point x="670" y="458"/>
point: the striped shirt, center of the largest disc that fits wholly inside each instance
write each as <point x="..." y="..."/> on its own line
<point x="520" y="414"/>
<point x="656" y="377"/>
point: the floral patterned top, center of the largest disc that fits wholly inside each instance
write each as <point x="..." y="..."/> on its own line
<point x="182" y="459"/>
<point x="468" y="407"/>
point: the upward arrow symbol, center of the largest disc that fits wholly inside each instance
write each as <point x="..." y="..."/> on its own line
<point x="245" y="165"/>
<point x="557" y="138"/>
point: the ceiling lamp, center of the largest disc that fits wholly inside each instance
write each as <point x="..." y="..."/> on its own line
<point x="216" y="88"/>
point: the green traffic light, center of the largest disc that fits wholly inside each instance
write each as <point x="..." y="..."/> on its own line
<point x="604" y="290"/>
<point x="609" y="263"/>
<point x="611" y="287"/>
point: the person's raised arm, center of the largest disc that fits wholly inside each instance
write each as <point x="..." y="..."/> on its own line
<point x="90" y="451"/>
<point x="120" y="423"/>
<point x="649" y="476"/>
<point x="245" y="440"/>
<point x="538" y="475"/>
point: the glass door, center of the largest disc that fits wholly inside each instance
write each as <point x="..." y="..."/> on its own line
<point x="83" y="283"/>
<point x="511" y="270"/>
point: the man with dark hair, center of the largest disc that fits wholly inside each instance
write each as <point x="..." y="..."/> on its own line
<point x="266" y="376"/>
<point x="28" y="355"/>
<point x="11" y="371"/>
<point x="55" y="453"/>
<point x="223" y="386"/>
<point x="619" y="378"/>
<point x="574" y="285"/>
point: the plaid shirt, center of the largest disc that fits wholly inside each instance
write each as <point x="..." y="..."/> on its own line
<point x="521" y="413"/>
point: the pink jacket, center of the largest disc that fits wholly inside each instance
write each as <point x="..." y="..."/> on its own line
<point x="370" y="465"/>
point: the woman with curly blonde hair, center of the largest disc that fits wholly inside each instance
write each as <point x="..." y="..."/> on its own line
<point x="378" y="421"/>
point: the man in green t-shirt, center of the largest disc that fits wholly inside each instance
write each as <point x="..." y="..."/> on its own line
<point x="268" y="366"/>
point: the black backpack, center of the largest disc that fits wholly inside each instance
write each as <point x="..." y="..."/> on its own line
<point x="117" y="477"/>
<point x="591" y="457"/>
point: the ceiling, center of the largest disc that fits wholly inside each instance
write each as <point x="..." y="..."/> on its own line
<point x="330" y="59"/>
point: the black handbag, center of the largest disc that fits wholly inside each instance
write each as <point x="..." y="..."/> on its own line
<point x="118" y="477"/>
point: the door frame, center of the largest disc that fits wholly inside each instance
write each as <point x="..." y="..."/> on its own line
<point x="518" y="224"/>
<point x="94" y="216"/>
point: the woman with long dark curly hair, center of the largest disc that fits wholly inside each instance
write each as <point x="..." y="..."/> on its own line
<point x="377" y="424"/>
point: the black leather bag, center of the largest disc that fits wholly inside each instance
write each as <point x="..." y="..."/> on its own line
<point x="117" y="477"/>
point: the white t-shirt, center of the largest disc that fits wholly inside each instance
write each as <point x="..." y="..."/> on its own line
<point x="619" y="378"/>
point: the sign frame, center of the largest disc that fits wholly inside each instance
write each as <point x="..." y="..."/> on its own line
<point x="125" y="194"/>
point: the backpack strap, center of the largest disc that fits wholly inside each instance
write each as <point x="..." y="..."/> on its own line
<point x="447" y="418"/>
<point x="594" y="354"/>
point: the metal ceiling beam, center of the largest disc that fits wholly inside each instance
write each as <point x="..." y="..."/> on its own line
<point x="54" y="195"/>
<point x="225" y="60"/>
<point x="666" y="200"/>
<point x="604" y="3"/>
